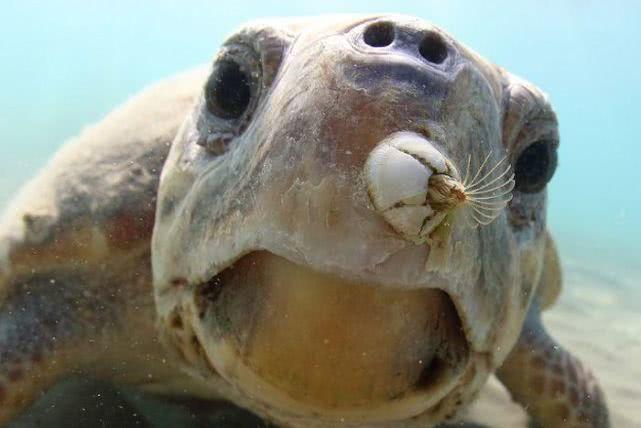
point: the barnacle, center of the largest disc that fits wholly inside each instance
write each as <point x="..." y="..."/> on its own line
<point x="419" y="191"/>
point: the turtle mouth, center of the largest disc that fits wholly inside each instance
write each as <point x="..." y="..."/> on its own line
<point x="310" y="343"/>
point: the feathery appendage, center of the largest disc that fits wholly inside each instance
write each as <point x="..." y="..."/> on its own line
<point x="488" y="192"/>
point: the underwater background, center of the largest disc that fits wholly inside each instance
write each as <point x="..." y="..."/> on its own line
<point x="65" y="64"/>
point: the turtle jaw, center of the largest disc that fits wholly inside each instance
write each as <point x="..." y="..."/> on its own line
<point x="315" y="345"/>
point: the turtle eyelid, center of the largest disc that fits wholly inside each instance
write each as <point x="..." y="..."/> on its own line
<point x="268" y="44"/>
<point x="528" y="117"/>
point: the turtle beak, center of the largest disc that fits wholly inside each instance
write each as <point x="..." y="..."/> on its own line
<point x="315" y="343"/>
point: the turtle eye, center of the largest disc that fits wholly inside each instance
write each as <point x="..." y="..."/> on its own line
<point x="230" y="97"/>
<point x="535" y="167"/>
<point x="229" y="90"/>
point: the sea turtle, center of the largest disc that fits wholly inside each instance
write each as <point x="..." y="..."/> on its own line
<point x="349" y="229"/>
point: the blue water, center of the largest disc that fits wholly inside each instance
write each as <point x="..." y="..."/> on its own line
<point x="66" y="64"/>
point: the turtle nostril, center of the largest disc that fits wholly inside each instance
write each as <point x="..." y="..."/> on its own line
<point x="379" y="34"/>
<point x="433" y="48"/>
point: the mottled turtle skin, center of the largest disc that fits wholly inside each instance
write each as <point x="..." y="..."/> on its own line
<point x="159" y="247"/>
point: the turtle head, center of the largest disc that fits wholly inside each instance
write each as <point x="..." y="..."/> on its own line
<point x="350" y="223"/>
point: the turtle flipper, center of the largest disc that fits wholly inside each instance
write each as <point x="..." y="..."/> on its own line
<point x="44" y="324"/>
<point x="555" y="388"/>
<point x="60" y="321"/>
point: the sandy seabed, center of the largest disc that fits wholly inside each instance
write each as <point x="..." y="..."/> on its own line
<point x="597" y="317"/>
